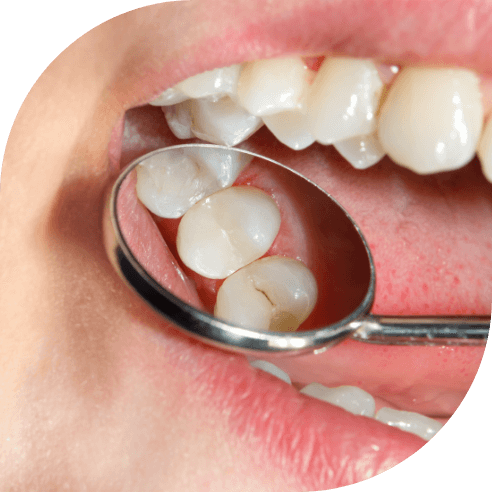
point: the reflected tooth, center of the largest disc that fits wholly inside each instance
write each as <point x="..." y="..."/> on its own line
<point x="227" y="230"/>
<point x="343" y="100"/>
<point x="213" y="83"/>
<point x="274" y="293"/>
<point x="178" y="118"/>
<point x="350" y="398"/>
<point x="222" y="122"/>
<point x="169" y="186"/>
<point x="362" y="152"/>
<point x="270" y="86"/>
<point x="485" y="150"/>
<point x="169" y="97"/>
<point x="418" y="424"/>
<point x="431" y="119"/>
<point x="263" y="365"/>
<point x="290" y="128"/>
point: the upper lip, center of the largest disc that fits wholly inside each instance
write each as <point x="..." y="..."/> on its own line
<point x="334" y="28"/>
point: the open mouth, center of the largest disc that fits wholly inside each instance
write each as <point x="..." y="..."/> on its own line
<point x="429" y="228"/>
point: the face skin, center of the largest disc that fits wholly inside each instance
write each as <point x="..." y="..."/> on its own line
<point x="101" y="393"/>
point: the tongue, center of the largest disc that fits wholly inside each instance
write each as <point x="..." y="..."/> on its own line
<point x="430" y="238"/>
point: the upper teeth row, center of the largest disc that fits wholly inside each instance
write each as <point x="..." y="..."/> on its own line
<point x="431" y="119"/>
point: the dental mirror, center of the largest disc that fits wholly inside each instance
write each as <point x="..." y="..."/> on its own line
<point x="142" y="248"/>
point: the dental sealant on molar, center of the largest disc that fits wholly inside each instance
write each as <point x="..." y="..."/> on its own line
<point x="271" y="294"/>
<point x="267" y="87"/>
<point x="431" y="119"/>
<point x="343" y="100"/>
<point x="228" y="230"/>
<point x="168" y="185"/>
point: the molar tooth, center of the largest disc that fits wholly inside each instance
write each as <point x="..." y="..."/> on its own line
<point x="227" y="230"/>
<point x="485" y="150"/>
<point x="178" y="118"/>
<point x="168" y="185"/>
<point x="222" y="122"/>
<point x="270" y="86"/>
<point x="169" y="97"/>
<point x="350" y="398"/>
<point x="272" y="369"/>
<point x="431" y="119"/>
<point x="290" y="128"/>
<point x="343" y="100"/>
<point x="213" y="83"/>
<point x="418" y="424"/>
<point x="274" y="293"/>
<point x="362" y="152"/>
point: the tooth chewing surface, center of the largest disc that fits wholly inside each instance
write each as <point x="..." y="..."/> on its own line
<point x="169" y="184"/>
<point x="274" y="293"/>
<point x="227" y="230"/>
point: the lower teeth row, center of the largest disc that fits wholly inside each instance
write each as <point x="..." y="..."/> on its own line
<point x="430" y="120"/>
<point x="359" y="402"/>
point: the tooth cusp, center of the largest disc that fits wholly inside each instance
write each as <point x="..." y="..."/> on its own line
<point x="227" y="230"/>
<point x="272" y="369"/>
<point x="169" y="97"/>
<point x="274" y="293"/>
<point x="290" y="128"/>
<point x="362" y="152"/>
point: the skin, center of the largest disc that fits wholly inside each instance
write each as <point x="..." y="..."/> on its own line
<point x="94" y="379"/>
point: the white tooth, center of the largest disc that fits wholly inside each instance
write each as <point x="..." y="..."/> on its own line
<point x="169" y="97"/>
<point x="343" y="100"/>
<point x="290" y="128"/>
<point x="432" y="119"/>
<point x="485" y="150"/>
<point x="415" y="423"/>
<point x="350" y="398"/>
<point x="168" y="185"/>
<point x="362" y="152"/>
<point x="227" y="230"/>
<point x="270" y="86"/>
<point x="271" y="369"/>
<point x="178" y="118"/>
<point x="214" y="83"/>
<point x="274" y="293"/>
<point x="222" y="122"/>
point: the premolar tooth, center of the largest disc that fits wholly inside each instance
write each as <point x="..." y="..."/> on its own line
<point x="222" y="122"/>
<point x="270" y="86"/>
<point x="343" y="100"/>
<point x="431" y="119"/>
<point x="418" y="424"/>
<point x="169" y="97"/>
<point x="362" y="152"/>
<point x="227" y="230"/>
<point x="350" y="398"/>
<point x="169" y="185"/>
<point x="274" y="293"/>
<point x="272" y="369"/>
<point x="485" y="150"/>
<point x="178" y="118"/>
<point x="290" y="128"/>
<point x="213" y="83"/>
